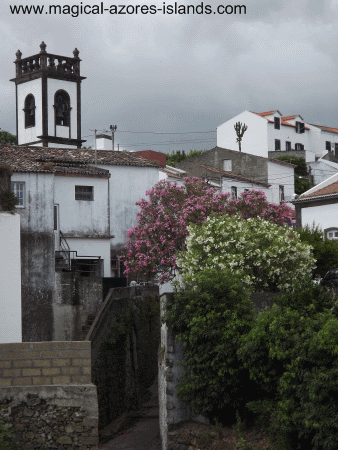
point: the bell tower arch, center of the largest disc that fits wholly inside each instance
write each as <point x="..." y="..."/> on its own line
<point x="48" y="99"/>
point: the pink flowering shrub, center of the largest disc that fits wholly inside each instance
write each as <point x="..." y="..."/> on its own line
<point x="161" y="230"/>
<point x="253" y="203"/>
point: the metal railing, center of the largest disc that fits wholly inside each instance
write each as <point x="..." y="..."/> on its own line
<point x="84" y="264"/>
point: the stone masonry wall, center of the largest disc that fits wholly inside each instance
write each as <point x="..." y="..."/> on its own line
<point x="46" y="395"/>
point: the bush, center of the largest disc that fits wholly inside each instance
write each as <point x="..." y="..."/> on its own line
<point x="291" y="353"/>
<point x="8" y="200"/>
<point x="325" y="251"/>
<point x="209" y="315"/>
<point x="266" y="256"/>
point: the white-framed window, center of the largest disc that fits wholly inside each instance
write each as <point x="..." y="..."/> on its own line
<point x="18" y="187"/>
<point x="331" y="233"/>
<point x="227" y="165"/>
<point x="233" y="192"/>
<point x="328" y="146"/>
<point x="281" y="194"/>
<point x="84" y="193"/>
<point x="299" y="146"/>
<point x="277" y="145"/>
<point x="288" y="146"/>
<point x="277" y="123"/>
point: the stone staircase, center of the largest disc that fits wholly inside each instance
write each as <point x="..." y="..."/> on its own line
<point x="86" y="327"/>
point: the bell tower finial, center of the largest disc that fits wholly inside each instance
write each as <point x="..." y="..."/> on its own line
<point x="43" y="47"/>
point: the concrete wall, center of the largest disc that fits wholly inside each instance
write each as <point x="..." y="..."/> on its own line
<point x="245" y="164"/>
<point x="46" y="395"/>
<point x="171" y="409"/>
<point x="124" y="339"/>
<point x="75" y="299"/>
<point x="228" y="183"/>
<point x="10" y="278"/>
<point x="255" y="139"/>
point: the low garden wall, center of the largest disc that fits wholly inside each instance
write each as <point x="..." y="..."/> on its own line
<point x="46" y="396"/>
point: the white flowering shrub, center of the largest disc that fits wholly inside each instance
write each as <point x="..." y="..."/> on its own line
<point x="265" y="255"/>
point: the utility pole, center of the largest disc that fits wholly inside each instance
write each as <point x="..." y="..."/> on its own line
<point x="113" y="129"/>
<point x="95" y="131"/>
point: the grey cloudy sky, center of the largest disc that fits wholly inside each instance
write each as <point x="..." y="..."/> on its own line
<point x="184" y="73"/>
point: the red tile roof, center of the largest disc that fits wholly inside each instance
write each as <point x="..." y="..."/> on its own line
<point x="327" y="190"/>
<point x="232" y="175"/>
<point x="324" y="128"/>
<point x="57" y="160"/>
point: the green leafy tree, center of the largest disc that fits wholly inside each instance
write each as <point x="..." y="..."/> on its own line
<point x="7" y="138"/>
<point x="240" y="130"/>
<point x="325" y="251"/>
<point x="265" y="255"/>
<point x="209" y="315"/>
<point x="176" y="157"/>
<point x="302" y="181"/>
<point x="290" y="354"/>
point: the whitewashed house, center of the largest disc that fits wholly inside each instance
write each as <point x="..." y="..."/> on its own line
<point x="270" y="134"/>
<point x="319" y="206"/>
<point x="75" y="205"/>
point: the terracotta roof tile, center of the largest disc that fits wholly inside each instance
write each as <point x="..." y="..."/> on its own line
<point x="231" y="175"/>
<point x="50" y="160"/>
<point x="324" y="128"/>
<point x="327" y="190"/>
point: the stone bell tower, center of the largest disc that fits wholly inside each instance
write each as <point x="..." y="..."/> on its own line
<point x="48" y="99"/>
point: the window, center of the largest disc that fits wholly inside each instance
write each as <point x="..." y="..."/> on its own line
<point x="29" y="110"/>
<point x="300" y="128"/>
<point x="288" y="146"/>
<point x="18" y="188"/>
<point x="84" y="193"/>
<point x="62" y="108"/>
<point x="277" y="145"/>
<point x="299" y="146"/>
<point x="336" y="149"/>
<point x="233" y="192"/>
<point x="331" y="233"/>
<point x="227" y="165"/>
<point x="277" y="123"/>
<point x="281" y="194"/>
<point x="328" y="146"/>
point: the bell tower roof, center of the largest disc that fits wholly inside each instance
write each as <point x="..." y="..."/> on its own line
<point x="45" y="64"/>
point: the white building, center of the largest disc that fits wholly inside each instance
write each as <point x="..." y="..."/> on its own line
<point x="319" y="206"/>
<point x="269" y="132"/>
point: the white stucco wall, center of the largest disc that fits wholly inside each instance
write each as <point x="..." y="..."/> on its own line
<point x="128" y="184"/>
<point x="10" y="279"/>
<point x="241" y="186"/>
<point x="29" y="134"/>
<point x="280" y="175"/>
<point x="322" y="169"/>
<point x="326" y="216"/>
<point x="94" y="248"/>
<point x="286" y="133"/>
<point x="82" y="217"/>
<point x="255" y="140"/>
<point x="70" y="88"/>
<point x="37" y="214"/>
